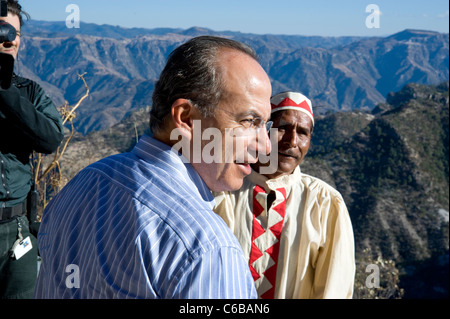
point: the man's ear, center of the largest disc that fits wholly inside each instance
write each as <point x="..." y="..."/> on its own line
<point x="181" y="122"/>
<point x="182" y="115"/>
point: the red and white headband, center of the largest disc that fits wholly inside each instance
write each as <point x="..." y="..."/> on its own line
<point x="292" y="101"/>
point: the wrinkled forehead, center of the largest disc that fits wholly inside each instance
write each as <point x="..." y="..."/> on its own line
<point x="292" y="117"/>
<point x="246" y="85"/>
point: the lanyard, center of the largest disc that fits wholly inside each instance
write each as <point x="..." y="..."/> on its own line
<point x="19" y="238"/>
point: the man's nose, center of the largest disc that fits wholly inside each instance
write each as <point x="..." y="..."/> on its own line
<point x="263" y="144"/>
<point x="291" y="138"/>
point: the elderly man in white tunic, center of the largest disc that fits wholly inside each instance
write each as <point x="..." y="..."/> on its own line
<point x="294" y="229"/>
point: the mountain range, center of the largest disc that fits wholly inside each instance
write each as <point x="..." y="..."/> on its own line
<point x="122" y="65"/>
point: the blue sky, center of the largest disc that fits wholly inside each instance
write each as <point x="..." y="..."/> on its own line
<point x="313" y="17"/>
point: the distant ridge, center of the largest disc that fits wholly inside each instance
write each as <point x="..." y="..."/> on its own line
<point x="408" y="33"/>
<point x="36" y="27"/>
<point x="122" y="65"/>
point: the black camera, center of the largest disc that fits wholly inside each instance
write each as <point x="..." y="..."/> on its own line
<point x="7" y="31"/>
<point x="7" y="34"/>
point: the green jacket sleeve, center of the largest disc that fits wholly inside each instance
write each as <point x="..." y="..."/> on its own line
<point x="34" y="115"/>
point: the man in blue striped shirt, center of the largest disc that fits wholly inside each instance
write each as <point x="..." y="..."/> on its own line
<point x="141" y="224"/>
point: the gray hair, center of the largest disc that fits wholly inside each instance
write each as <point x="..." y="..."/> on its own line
<point x="192" y="72"/>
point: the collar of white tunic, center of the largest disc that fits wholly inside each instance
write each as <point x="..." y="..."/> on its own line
<point x="275" y="183"/>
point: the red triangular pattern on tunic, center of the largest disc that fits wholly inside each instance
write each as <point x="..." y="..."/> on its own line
<point x="273" y="251"/>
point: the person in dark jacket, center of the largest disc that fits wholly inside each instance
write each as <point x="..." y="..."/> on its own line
<point x="29" y="121"/>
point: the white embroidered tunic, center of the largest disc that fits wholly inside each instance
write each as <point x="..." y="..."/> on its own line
<point x="296" y="233"/>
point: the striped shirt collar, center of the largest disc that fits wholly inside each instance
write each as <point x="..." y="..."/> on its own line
<point x="164" y="157"/>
